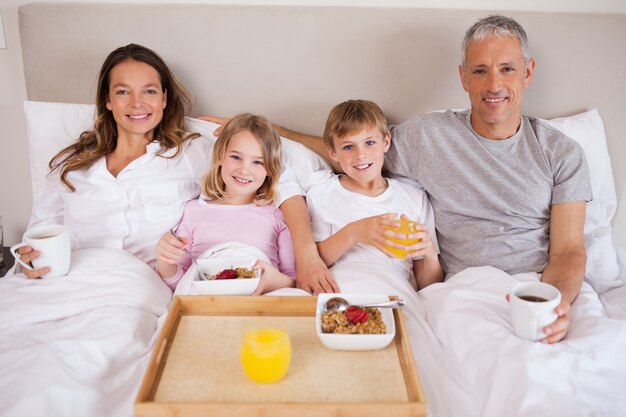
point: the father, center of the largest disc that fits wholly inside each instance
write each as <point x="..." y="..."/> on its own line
<point x="507" y="190"/>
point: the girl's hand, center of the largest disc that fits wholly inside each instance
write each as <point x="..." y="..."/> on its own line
<point x="271" y="278"/>
<point x="169" y="249"/>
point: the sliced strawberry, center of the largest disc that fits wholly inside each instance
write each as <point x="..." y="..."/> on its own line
<point x="227" y="274"/>
<point x="357" y="315"/>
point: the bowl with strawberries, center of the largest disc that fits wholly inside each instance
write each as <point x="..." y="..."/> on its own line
<point x="227" y="276"/>
<point x="356" y="327"/>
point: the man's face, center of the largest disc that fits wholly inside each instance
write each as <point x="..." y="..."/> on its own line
<point x="495" y="77"/>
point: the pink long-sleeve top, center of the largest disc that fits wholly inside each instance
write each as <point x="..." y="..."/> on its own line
<point x="263" y="227"/>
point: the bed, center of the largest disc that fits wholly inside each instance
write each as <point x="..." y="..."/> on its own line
<point x="68" y="351"/>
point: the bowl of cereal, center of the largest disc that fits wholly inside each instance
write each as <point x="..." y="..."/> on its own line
<point x="355" y="328"/>
<point x="227" y="276"/>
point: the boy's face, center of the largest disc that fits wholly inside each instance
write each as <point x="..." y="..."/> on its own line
<point x="361" y="155"/>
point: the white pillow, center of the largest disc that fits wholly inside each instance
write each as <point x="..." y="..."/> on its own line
<point x="52" y="126"/>
<point x="588" y="130"/>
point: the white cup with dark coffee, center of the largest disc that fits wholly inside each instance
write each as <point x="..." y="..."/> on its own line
<point x="532" y="308"/>
<point x="53" y="243"/>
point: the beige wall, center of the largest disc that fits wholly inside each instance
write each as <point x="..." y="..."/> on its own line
<point x="15" y="191"/>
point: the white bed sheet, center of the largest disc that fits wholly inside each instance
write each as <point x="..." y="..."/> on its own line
<point x="494" y="373"/>
<point x="78" y="345"/>
<point x="84" y="351"/>
<point x="472" y="364"/>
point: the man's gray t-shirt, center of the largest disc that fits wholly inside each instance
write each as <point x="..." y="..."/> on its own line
<point x="491" y="198"/>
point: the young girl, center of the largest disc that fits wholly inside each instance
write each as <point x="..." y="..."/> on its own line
<point x="240" y="186"/>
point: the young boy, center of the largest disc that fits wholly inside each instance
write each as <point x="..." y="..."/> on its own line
<point x="349" y="212"/>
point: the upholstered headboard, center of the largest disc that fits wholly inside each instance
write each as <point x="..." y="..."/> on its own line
<point x="293" y="63"/>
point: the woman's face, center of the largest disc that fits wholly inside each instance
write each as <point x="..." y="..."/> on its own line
<point x="243" y="168"/>
<point x="136" y="99"/>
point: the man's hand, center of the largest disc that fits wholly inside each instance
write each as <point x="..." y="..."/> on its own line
<point x="214" y="119"/>
<point x="556" y="331"/>
<point x="313" y="276"/>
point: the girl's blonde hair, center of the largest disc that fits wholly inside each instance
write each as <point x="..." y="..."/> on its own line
<point x="271" y="148"/>
<point x="102" y="139"/>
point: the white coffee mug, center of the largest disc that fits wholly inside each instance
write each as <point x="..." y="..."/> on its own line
<point x="532" y="308"/>
<point x="53" y="243"/>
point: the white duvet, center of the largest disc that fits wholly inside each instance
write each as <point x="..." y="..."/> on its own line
<point x="472" y="364"/>
<point x="78" y="345"/>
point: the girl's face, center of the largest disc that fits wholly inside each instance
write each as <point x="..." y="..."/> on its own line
<point x="136" y="99"/>
<point x="243" y="168"/>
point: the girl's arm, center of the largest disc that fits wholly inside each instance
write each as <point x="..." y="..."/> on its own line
<point x="284" y="244"/>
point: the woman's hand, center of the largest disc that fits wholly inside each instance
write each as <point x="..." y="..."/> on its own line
<point x="27" y="254"/>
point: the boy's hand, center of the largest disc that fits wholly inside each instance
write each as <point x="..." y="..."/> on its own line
<point x="169" y="250"/>
<point x="372" y="231"/>
<point x="425" y="247"/>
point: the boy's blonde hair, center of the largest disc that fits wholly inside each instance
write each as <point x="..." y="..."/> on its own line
<point x="351" y="117"/>
<point x="213" y="185"/>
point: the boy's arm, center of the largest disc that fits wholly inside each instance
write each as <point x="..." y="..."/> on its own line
<point x="312" y="275"/>
<point x="336" y="245"/>
<point x="427" y="271"/>
<point x="368" y="231"/>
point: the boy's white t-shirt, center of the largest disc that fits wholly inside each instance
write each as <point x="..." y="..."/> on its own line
<point x="332" y="207"/>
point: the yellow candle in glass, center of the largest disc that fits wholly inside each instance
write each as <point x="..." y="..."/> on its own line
<point x="265" y="355"/>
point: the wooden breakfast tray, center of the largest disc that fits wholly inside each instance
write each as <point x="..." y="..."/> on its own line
<point x="195" y="368"/>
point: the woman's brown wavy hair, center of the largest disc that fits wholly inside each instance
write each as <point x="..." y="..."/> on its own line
<point x="102" y="139"/>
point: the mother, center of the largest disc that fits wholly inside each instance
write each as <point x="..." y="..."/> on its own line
<point x="123" y="183"/>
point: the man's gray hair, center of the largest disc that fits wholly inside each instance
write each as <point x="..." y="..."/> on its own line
<point x="495" y="25"/>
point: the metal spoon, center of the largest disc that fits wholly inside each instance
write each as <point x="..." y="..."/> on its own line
<point x="202" y="274"/>
<point x="341" y="304"/>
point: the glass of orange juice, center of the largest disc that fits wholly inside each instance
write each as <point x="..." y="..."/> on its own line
<point x="406" y="227"/>
<point x="265" y="354"/>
